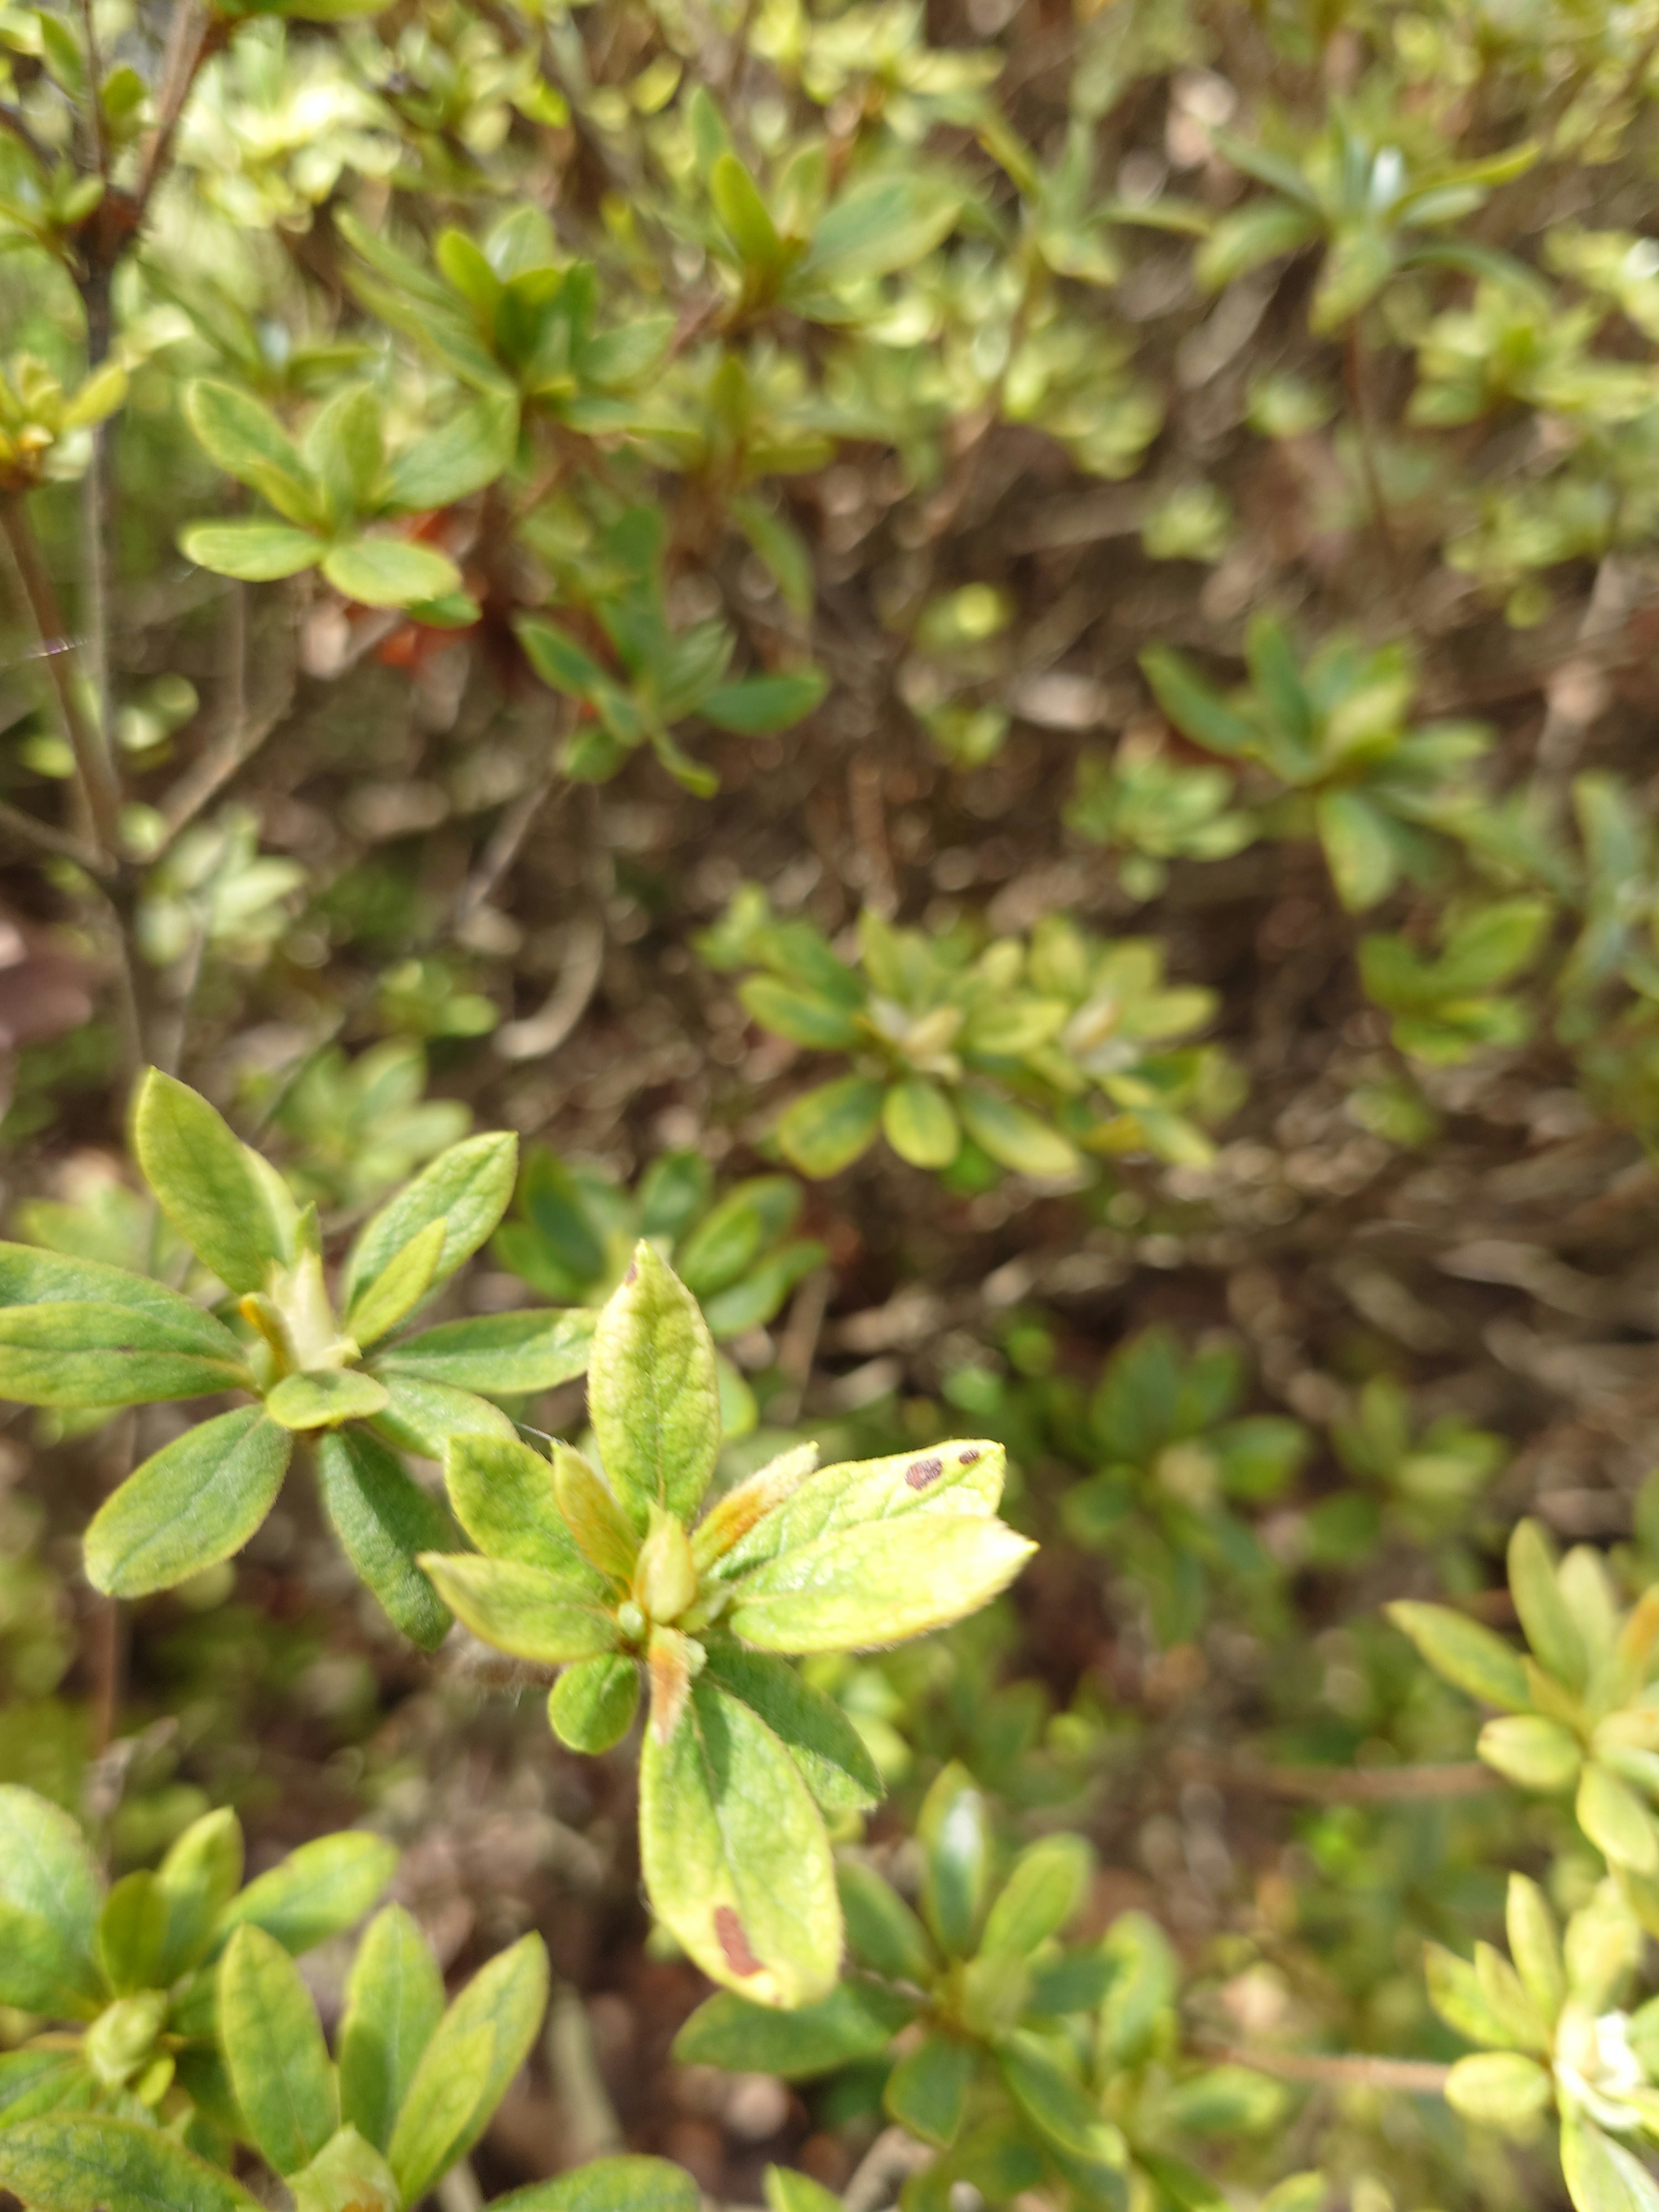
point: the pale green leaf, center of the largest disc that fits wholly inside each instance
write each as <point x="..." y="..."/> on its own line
<point x="219" y="1199"/>
<point x="736" y="1860"/>
<point x="273" y="2044"/>
<point x="195" y="1502"/>
<point x="859" y="1590"/>
<point x="465" y="2069"/>
<point x="394" y="2001"/>
<point x="384" y="1519"/>
<point x="523" y="1609"/>
<point x="652" y="1394"/>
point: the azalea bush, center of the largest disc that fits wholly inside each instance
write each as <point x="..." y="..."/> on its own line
<point x="828" y="1096"/>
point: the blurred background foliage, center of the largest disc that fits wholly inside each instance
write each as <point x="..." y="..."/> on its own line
<point x="987" y="666"/>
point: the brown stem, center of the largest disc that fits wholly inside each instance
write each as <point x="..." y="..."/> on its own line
<point x="96" y="88"/>
<point x="52" y="844"/>
<point x="1331" y="1785"/>
<point x="92" y="762"/>
<point x="1359" y="394"/>
<point x="1420" y="2076"/>
<point x="193" y="37"/>
<point x="11" y="121"/>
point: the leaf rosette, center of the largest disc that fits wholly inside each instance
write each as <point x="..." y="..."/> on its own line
<point x="613" y="1579"/>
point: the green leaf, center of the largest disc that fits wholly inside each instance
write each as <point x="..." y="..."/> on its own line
<point x="399" y="1288"/>
<point x="442" y="466"/>
<point x="394" y="2001"/>
<point x="1500" y="2089"/>
<point x="49" y="1897"/>
<point x="591" y="1705"/>
<point x="503" y="1496"/>
<point x="652" y="1394"/>
<point x="953" y="1833"/>
<point x="427" y="1418"/>
<point x="831" y="1126"/>
<point x="524" y="1609"/>
<point x="195" y="1502"/>
<point x="1616" y="1820"/>
<point x="789" y="2192"/>
<point x="325" y="1397"/>
<point x="318" y="1891"/>
<point x="1531" y="1752"/>
<point x="36" y="2081"/>
<point x="1013" y="1136"/>
<point x="831" y="1754"/>
<point x="248" y="443"/>
<point x="1196" y="708"/>
<point x="1456" y="1993"/>
<point x="605" y="1536"/>
<point x="877" y="226"/>
<point x="1043" y="1893"/>
<point x="273" y="2044"/>
<point x="743" y="212"/>
<point x="509" y="1352"/>
<point x="804" y="1016"/>
<point x="558" y="659"/>
<point x="858" y="1590"/>
<point x="1545" y="1618"/>
<point x="254" y="552"/>
<point x="881" y="1929"/>
<point x="1601" y="2175"/>
<point x="760" y="706"/>
<point x="858" y="2019"/>
<point x="1535" y="1946"/>
<point x="610" y="2184"/>
<point x="736" y="1860"/>
<point x="1242" y="241"/>
<point x="30" y="1276"/>
<point x="468" y="1187"/>
<point x="390" y="572"/>
<point x="384" y="1520"/>
<point x="918" y="1123"/>
<point x="131" y="1933"/>
<point x="1060" y="2111"/>
<point x="70" y="1353"/>
<point x="956" y="1479"/>
<point x="927" y="2091"/>
<point x="347" y="2175"/>
<point x="200" y="1874"/>
<point x="465" y="2069"/>
<point x="1364" y="862"/>
<point x="1465" y="1653"/>
<point x="218" y="1195"/>
<point x="87" y="2164"/>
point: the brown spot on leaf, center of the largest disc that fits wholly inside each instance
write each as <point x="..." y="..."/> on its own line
<point x="968" y="1457"/>
<point x="633" y="1274"/>
<point x="921" y="1472"/>
<point x="733" y="1941"/>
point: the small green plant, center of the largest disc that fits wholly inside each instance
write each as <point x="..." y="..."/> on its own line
<point x="1552" y="2034"/>
<point x="1175" y="1460"/>
<point x="1418" y="1488"/>
<point x="950" y="1043"/>
<point x="356" y="1385"/>
<point x="132" y="1975"/>
<point x="1154" y="809"/>
<point x="602" y="1574"/>
<point x="1579" y="1714"/>
<point x="1446" y="1007"/>
<point x="1335" y="736"/>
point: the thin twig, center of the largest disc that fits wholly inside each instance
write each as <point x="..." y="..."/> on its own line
<point x="590" y="2126"/>
<point x="1335" y="1785"/>
<point x="189" y="48"/>
<point x="52" y="844"/>
<point x="1356" y="2071"/>
<point x="97" y="773"/>
<point x="505" y="841"/>
<point x="458" y="2190"/>
<point x="889" y="2162"/>
<point x="543" y="1031"/>
<point x="95" y="85"/>
<point x="798" y="1345"/>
